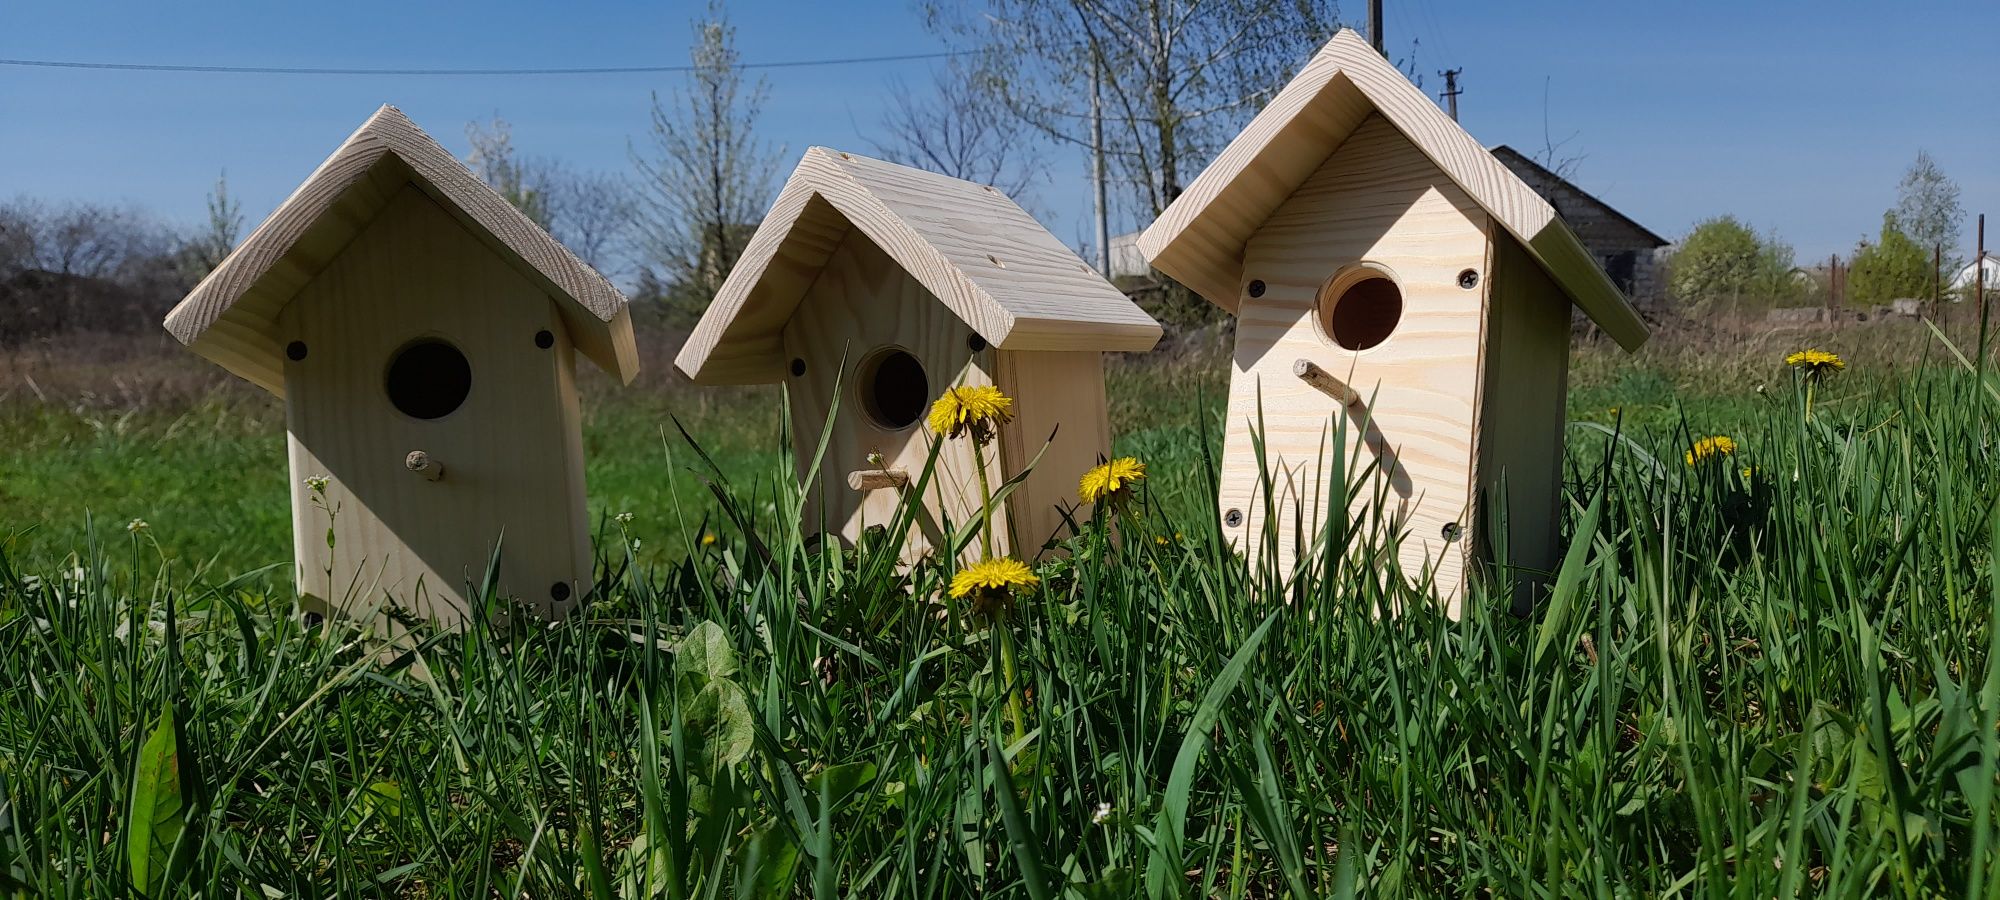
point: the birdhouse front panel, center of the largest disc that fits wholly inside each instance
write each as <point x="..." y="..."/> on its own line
<point x="417" y="338"/>
<point x="1362" y="300"/>
<point x="870" y="345"/>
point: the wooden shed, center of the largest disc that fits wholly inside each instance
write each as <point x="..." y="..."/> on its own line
<point x="871" y="287"/>
<point x="1385" y="268"/>
<point x="422" y="334"/>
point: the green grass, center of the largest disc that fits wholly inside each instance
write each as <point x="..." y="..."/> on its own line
<point x="1773" y="683"/>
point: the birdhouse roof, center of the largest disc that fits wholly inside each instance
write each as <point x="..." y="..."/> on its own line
<point x="1200" y="239"/>
<point x="985" y="258"/>
<point x="231" y="316"/>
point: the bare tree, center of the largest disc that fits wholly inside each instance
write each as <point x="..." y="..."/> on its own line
<point x="705" y="178"/>
<point x="520" y="180"/>
<point x="207" y="248"/>
<point x="1179" y="78"/>
<point x="962" y="129"/>
<point x="592" y="213"/>
<point x="589" y="212"/>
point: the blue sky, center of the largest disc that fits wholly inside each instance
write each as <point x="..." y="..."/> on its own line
<point x="1798" y="117"/>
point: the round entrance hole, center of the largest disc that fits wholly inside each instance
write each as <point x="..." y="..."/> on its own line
<point x="428" y="379"/>
<point x="894" y="389"/>
<point x="1360" y="308"/>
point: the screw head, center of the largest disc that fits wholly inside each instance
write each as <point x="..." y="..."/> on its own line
<point x="545" y="339"/>
<point x="1257" y="288"/>
<point x="1452" y="532"/>
<point x="798" y="367"/>
<point x="559" y="591"/>
<point x="295" y="351"/>
<point x="1233" y="518"/>
<point x="1468" y="279"/>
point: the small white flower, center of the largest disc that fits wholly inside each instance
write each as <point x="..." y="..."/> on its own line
<point x="316" y="483"/>
<point x="624" y="518"/>
<point x="1103" y="813"/>
<point x="137" y="525"/>
<point x="635" y="545"/>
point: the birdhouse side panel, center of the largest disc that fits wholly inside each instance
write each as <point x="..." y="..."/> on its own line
<point x="419" y="339"/>
<point x="1524" y="390"/>
<point x="871" y="345"/>
<point x="1362" y="302"/>
<point x="1060" y="414"/>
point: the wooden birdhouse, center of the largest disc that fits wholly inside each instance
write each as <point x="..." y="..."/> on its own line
<point x="1385" y="268"/>
<point x="870" y="288"/>
<point x="423" y="334"/>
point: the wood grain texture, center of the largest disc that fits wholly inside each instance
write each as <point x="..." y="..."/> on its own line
<point x="1059" y="404"/>
<point x="1523" y="389"/>
<point x="511" y="453"/>
<point x="1201" y="238"/>
<point x="862" y="304"/>
<point x="230" y="317"/>
<point x="1379" y="201"/>
<point x="989" y="262"/>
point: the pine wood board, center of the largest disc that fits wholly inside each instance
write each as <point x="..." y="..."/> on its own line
<point x="512" y="454"/>
<point x="1379" y="200"/>
<point x="1200" y="240"/>
<point x="863" y="301"/>
<point x="982" y="256"/>
<point x="1524" y="389"/>
<point x="1059" y="393"/>
<point x="230" y="317"/>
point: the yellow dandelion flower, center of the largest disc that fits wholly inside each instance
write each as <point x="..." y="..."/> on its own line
<point x="975" y="408"/>
<point x="992" y="583"/>
<point x="1711" y="448"/>
<point x="1816" y="363"/>
<point x="708" y="539"/>
<point x="1112" y="479"/>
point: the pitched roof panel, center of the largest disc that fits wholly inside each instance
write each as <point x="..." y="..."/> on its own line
<point x="231" y="316"/>
<point x="1199" y="240"/>
<point x="981" y="255"/>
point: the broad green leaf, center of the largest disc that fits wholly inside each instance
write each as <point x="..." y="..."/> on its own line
<point x="155" y="817"/>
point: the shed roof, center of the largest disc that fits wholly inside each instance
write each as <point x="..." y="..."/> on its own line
<point x="982" y="256"/>
<point x="1200" y="238"/>
<point x="231" y="316"/>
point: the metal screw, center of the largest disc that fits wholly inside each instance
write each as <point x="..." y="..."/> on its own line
<point x="1452" y="532"/>
<point x="1256" y="288"/>
<point x="545" y="339"/>
<point x="1233" y="518"/>
<point x="295" y="351"/>
<point x="1468" y="279"/>
<point x="798" y="367"/>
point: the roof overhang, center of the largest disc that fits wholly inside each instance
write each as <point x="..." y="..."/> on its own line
<point x="1200" y="239"/>
<point x="977" y="252"/>
<point x="231" y="316"/>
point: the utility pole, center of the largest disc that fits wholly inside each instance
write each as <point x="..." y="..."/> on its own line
<point x="1097" y="166"/>
<point x="1375" y="25"/>
<point x="1451" y="91"/>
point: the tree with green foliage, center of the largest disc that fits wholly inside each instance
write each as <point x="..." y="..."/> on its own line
<point x="1724" y="264"/>
<point x="1893" y="267"/>
<point x="1927" y="208"/>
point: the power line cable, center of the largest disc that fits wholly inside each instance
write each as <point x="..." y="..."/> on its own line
<point x="593" y="70"/>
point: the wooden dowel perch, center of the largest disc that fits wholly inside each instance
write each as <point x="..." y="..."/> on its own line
<point x="1325" y="382"/>
<point x="876" y="479"/>
<point x="421" y="463"/>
